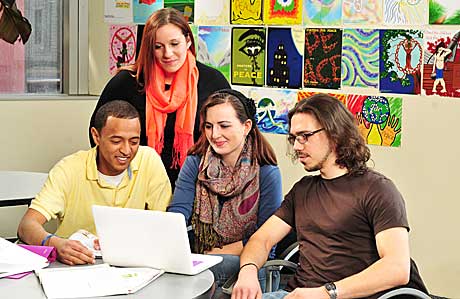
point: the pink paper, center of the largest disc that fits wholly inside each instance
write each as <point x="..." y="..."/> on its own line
<point x="45" y="251"/>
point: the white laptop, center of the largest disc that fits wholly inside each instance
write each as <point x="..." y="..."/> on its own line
<point x="141" y="238"/>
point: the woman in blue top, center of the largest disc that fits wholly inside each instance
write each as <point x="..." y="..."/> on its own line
<point x="230" y="183"/>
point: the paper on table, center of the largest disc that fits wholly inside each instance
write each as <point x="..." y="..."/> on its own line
<point x="15" y="259"/>
<point x="93" y="281"/>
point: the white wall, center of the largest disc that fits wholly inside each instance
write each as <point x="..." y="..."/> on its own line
<point x="425" y="168"/>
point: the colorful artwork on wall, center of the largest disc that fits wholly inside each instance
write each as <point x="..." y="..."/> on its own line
<point x="405" y="12"/>
<point x="212" y="12"/>
<point x="441" y="70"/>
<point x="284" y="57"/>
<point x="379" y="118"/>
<point x="186" y="7"/>
<point x="303" y="94"/>
<point x="246" y="12"/>
<point x="248" y="55"/>
<point x="400" y="61"/>
<point x="143" y="9"/>
<point x="444" y="12"/>
<point x="283" y="12"/>
<point x="272" y="108"/>
<point x="360" y="58"/>
<point x="214" y="48"/>
<point x="322" y="12"/>
<point x="122" y="47"/>
<point x="362" y="12"/>
<point x="322" y="57"/>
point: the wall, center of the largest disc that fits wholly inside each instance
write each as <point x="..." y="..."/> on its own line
<point x="425" y="168"/>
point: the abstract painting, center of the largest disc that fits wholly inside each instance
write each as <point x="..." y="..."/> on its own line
<point x="248" y="55"/>
<point x="405" y="12"/>
<point x="400" y="61"/>
<point x="284" y="57"/>
<point x="360" y="58"/>
<point x="323" y="47"/>
<point x="212" y="12"/>
<point x="303" y="94"/>
<point x="246" y="12"/>
<point x="272" y="108"/>
<point x="441" y="59"/>
<point x="322" y="12"/>
<point x="283" y="12"/>
<point x="362" y="12"/>
<point x="214" y="48"/>
<point x="444" y="12"/>
<point x="379" y="118"/>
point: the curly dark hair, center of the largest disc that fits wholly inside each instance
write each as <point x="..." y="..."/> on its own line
<point x="341" y="129"/>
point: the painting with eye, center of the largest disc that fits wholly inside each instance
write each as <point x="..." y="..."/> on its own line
<point x="322" y="12"/>
<point x="405" y="12"/>
<point x="283" y="12"/>
<point x="362" y="12"/>
<point x="360" y="58"/>
<point x="143" y="9"/>
<point x="186" y="7"/>
<point x="284" y="57"/>
<point x="248" y="55"/>
<point x="400" y="61"/>
<point x="273" y="106"/>
<point x="246" y="12"/>
<point x="378" y="118"/>
<point x="322" y="58"/>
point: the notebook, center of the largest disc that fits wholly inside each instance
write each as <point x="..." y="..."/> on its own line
<point x="141" y="238"/>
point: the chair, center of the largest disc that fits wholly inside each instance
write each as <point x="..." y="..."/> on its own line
<point x="287" y="253"/>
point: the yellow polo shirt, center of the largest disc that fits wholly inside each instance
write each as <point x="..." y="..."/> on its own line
<point x="73" y="186"/>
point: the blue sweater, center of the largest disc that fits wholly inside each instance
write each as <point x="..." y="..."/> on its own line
<point x="184" y="194"/>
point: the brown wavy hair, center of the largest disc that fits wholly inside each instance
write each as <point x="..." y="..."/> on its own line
<point x="262" y="150"/>
<point x="341" y="129"/>
<point x="146" y="59"/>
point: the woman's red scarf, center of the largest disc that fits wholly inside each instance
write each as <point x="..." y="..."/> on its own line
<point x="182" y="97"/>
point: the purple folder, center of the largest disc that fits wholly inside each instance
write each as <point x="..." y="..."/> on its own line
<point x="45" y="251"/>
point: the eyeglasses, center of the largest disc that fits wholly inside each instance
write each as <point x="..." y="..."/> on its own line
<point x="303" y="137"/>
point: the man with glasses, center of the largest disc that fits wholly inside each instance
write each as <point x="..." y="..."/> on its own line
<point x="350" y="221"/>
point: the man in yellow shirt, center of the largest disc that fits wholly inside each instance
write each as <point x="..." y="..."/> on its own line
<point x="116" y="172"/>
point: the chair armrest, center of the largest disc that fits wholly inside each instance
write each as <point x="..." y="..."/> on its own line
<point x="405" y="291"/>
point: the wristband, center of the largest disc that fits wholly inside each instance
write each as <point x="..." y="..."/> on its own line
<point x="46" y="239"/>
<point x="247" y="264"/>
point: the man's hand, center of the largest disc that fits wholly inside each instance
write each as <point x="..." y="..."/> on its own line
<point x="301" y="293"/>
<point x="247" y="286"/>
<point x="72" y="252"/>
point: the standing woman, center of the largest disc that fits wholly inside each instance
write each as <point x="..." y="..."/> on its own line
<point x="167" y="86"/>
<point x="229" y="184"/>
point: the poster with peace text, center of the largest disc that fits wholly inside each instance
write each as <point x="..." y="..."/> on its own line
<point x="400" y="61"/>
<point x="405" y="12"/>
<point x="214" y="48"/>
<point x="212" y="12"/>
<point x="441" y="63"/>
<point x="248" y="55"/>
<point x="282" y="12"/>
<point x="142" y="9"/>
<point x="320" y="12"/>
<point x="360" y="58"/>
<point x="273" y="106"/>
<point x="122" y="46"/>
<point x="444" y="12"/>
<point x="322" y="58"/>
<point x="284" y="57"/>
<point x="246" y="12"/>
<point x="379" y="118"/>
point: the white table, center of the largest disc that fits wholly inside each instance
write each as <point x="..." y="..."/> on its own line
<point x="17" y="189"/>
<point x="167" y="286"/>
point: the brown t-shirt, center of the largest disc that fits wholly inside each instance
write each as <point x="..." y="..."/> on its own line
<point x="336" y="222"/>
